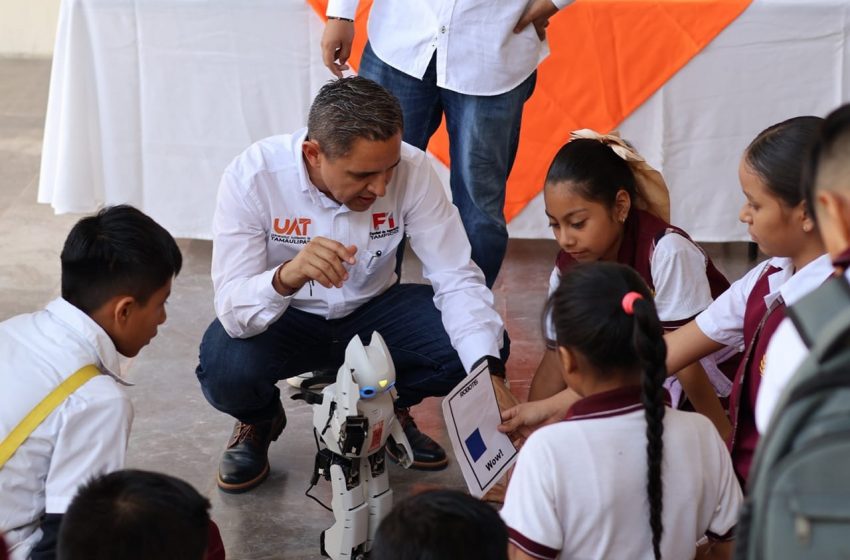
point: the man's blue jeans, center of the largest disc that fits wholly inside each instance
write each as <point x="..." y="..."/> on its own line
<point x="238" y="376"/>
<point x="483" y="138"/>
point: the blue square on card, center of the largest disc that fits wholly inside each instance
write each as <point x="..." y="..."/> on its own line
<point x="475" y="445"/>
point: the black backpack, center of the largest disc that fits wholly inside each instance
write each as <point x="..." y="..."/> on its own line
<point x="798" y="505"/>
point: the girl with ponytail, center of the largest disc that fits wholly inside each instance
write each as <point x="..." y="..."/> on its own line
<point x="591" y="486"/>
<point x="605" y="203"/>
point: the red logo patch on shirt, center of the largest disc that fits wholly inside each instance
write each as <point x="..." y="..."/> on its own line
<point x="383" y="225"/>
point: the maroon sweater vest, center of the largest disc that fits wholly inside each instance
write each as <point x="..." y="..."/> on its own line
<point x="759" y="325"/>
<point x="642" y="233"/>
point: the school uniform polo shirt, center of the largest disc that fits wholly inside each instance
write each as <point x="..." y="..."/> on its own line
<point x="268" y="209"/>
<point x="678" y="270"/>
<point x="579" y="487"/>
<point x="683" y="279"/>
<point x="785" y="352"/>
<point x="84" y="436"/>
<point x="723" y="321"/>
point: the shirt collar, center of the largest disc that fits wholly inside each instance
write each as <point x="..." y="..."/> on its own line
<point x="790" y="286"/>
<point x="91" y="332"/>
<point x="615" y="402"/>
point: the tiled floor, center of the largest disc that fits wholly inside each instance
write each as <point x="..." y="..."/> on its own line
<point x="175" y="430"/>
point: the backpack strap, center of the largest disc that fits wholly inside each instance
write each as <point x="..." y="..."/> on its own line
<point x="42" y="410"/>
<point x="810" y="314"/>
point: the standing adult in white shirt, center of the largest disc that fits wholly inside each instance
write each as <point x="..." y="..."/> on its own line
<point x="306" y="232"/>
<point x="473" y="61"/>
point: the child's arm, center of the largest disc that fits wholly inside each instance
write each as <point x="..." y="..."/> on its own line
<point x="701" y="393"/>
<point x="527" y="417"/>
<point x="687" y="345"/>
<point x="548" y="379"/>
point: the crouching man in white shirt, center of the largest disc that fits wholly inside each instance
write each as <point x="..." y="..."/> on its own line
<point x="306" y="232"/>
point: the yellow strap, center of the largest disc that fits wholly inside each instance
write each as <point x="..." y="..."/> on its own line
<point x="42" y="410"/>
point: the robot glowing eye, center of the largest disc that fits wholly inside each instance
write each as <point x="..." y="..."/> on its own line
<point x="367" y="392"/>
<point x="382" y="383"/>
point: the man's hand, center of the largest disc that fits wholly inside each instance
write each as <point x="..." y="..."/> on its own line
<point x="504" y="397"/>
<point x="321" y="260"/>
<point x="336" y="45"/>
<point x="537" y="12"/>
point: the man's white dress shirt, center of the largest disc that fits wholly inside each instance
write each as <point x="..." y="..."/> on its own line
<point x="268" y="209"/>
<point x="478" y="52"/>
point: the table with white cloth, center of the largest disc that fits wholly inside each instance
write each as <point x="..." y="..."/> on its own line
<point x="151" y="99"/>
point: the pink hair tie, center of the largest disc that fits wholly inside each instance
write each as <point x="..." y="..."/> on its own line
<point x="629" y="302"/>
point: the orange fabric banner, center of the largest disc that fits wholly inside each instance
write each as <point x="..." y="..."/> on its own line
<point x="608" y="57"/>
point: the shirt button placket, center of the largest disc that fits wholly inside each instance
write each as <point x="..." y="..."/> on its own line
<point x="336" y="296"/>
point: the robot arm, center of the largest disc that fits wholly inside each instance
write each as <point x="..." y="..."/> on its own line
<point x="401" y="446"/>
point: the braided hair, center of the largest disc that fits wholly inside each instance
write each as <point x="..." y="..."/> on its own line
<point x="590" y="319"/>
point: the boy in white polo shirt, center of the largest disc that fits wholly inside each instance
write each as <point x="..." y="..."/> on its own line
<point x="117" y="269"/>
<point x="306" y="234"/>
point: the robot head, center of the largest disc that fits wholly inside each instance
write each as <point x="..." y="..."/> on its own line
<point x="371" y="366"/>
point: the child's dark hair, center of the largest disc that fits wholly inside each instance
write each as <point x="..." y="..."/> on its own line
<point x="589" y="318"/>
<point x="778" y="153"/>
<point x="595" y="170"/>
<point x="828" y="164"/>
<point x="441" y="525"/>
<point x="135" y="515"/>
<point x="119" y="251"/>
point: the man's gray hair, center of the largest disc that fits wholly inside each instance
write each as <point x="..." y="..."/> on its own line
<point x="351" y="108"/>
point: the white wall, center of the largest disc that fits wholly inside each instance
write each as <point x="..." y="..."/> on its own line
<point x="28" y="27"/>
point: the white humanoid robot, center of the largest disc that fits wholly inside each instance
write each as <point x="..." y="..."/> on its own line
<point x="354" y="422"/>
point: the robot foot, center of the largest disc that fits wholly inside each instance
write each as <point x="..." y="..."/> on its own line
<point x="427" y="453"/>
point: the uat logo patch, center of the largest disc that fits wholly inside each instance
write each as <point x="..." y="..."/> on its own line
<point x="291" y="230"/>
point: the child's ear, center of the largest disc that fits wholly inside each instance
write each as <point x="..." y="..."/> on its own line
<point x="622" y="205"/>
<point x="834" y="210"/>
<point x="122" y="310"/>
<point x="808" y="221"/>
<point x="568" y="359"/>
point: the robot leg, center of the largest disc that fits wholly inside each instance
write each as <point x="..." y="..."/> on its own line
<point x="379" y="493"/>
<point x="347" y="536"/>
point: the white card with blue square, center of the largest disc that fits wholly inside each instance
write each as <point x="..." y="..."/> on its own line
<point x="472" y="416"/>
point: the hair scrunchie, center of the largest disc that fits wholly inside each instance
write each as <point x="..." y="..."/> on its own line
<point x="629" y="302"/>
<point x="652" y="193"/>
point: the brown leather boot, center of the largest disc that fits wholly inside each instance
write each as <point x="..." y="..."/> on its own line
<point x="245" y="462"/>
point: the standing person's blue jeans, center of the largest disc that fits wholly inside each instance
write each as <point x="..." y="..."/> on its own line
<point x="238" y="376"/>
<point x="483" y="138"/>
